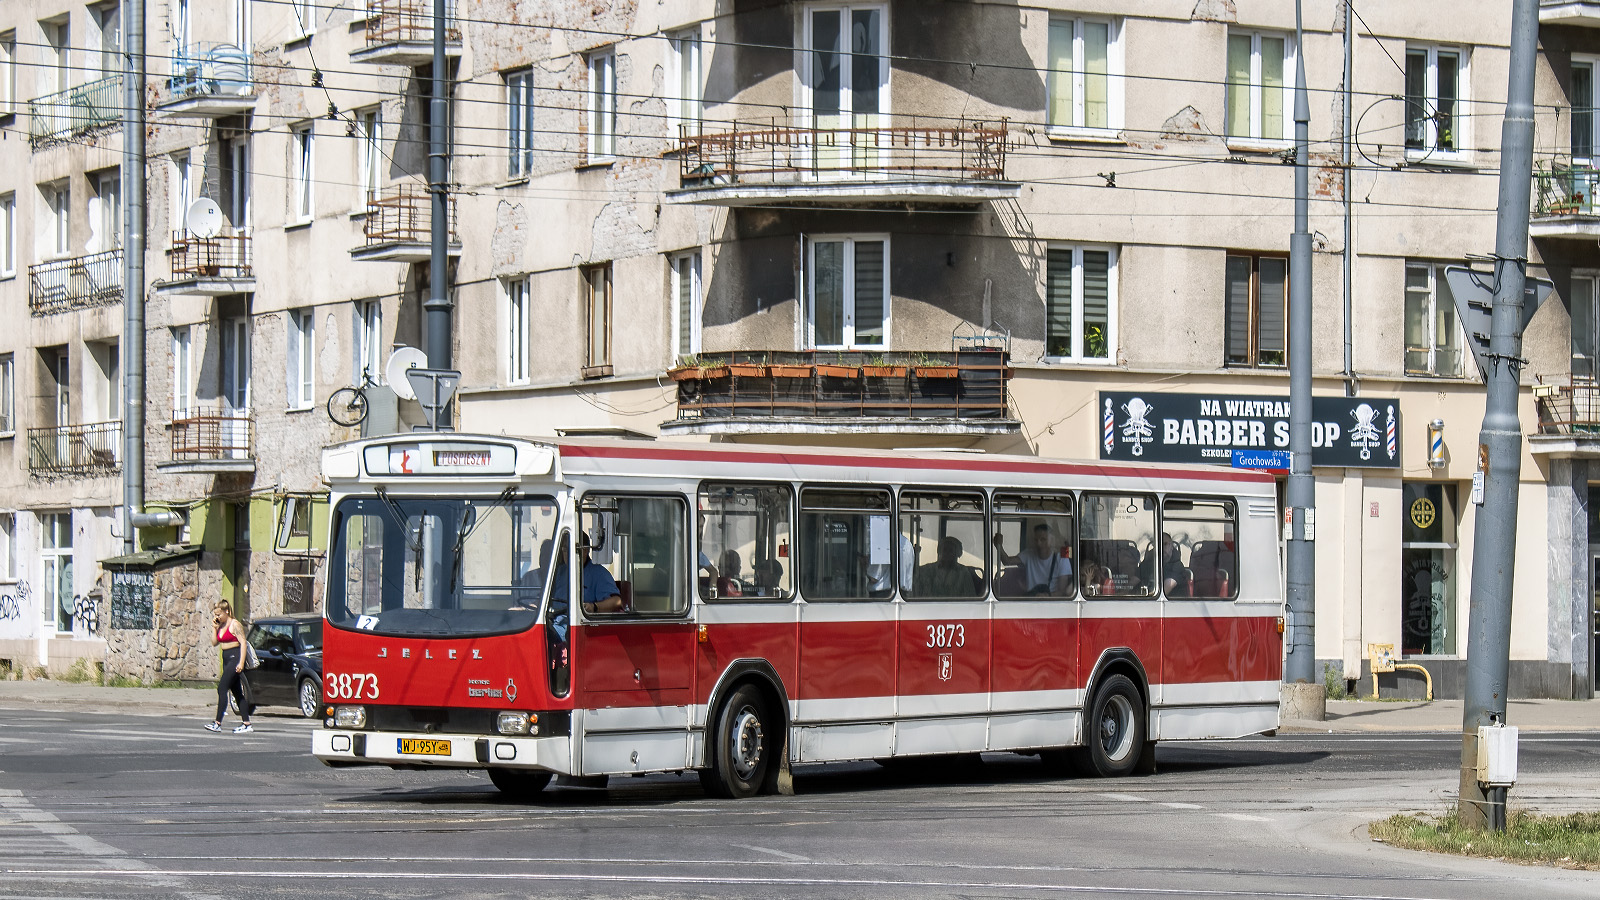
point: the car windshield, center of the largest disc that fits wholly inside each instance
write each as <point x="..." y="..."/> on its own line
<point x="440" y="565"/>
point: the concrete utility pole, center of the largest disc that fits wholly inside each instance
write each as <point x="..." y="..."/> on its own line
<point x="1500" y="439"/>
<point x="1298" y="664"/>
<point x="133" y="223"/>
<point x="438" y="305"/>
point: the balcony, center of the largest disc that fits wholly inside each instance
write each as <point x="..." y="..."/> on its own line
<point x="211" y="440"/>
<point x="208" y="81"/>
<point x="1564" y="201"/>
<point x="1581" y="13"/>
<point x="77" y="282"/>
<point x="208" y="266"/>
<point x="960" y="392"/>
<point x="898" y="161"/>
<point x="75" y="450"/>
<point x="397" y="226"/>
<point x="400" y="33"/>
<point x="64" y="115"/>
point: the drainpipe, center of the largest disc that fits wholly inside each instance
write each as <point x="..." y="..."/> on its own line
<point x="133" y="241"/>
<point x="438" y="305"/>
<point x="1349" y="223"/>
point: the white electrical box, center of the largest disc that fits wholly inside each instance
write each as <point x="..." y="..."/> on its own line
<point x="1497" y="755"/>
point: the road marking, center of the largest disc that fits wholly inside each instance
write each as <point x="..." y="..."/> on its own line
<point x="1184" y="805"/>
<point x="779" y="853"/>
<point x="1242" y="817"/>
<point x="1126" y="798"/>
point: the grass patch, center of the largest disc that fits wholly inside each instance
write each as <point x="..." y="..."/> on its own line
<point x="83" y="671"/>
<point x="1333" y="682"/>
<point x="1571" y="841"/>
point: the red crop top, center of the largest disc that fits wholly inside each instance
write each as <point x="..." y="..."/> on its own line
<point x="225" y="635"/>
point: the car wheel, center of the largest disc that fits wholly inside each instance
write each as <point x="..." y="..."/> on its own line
<point x="519" y="784"/>
<point x="743" y="748"/>
<point x="233" y="704"/>
<point x="1114" y="729"/>
<point x="310" y="698"/>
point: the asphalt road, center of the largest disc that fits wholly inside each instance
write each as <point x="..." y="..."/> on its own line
<point x="130" y="806"/>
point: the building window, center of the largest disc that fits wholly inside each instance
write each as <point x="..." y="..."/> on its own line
<point x="686" y="303"/>
<point x="103" y="402"/>
<point x="1427" y="569"/>
<point x="519" y="122"/>
<point x="846" y="81"/>
<point x="54" y="74"/>
<point x="236" y="182"/>
<point x="369" y="341"/>
<point x="58" y="216"/>
<point x="8" y="546"/>
<point x="1580" y="93"/>
<point x="517" y="338"/>
<point x="1435" y="77"/>
<point x="182" y="189"/>
<point x="8" y="235"/>
<point x="1084" y="58"/>
<point x="302" y="171"/>
<point x="1433" y="339"/>
<point x="305" y="14"/>
<point x="1258" y="94"/>
<point x="1585" y="297"/>
<point x="302" y="358"/>
<point x="602" y="105"/>
<point x="8" y="420"/>
<point x="55" y="555"/>
<point x="236" y="363"/>
<point x="597" y="319"/>
<point x="1257" y="310"/>
<point x="107" y="23"/>
<point x="686" y="80"/>
<point x="849" y="292"/>
<point x="1079" y="284"/>
<point x="8" y="73"/>
<point x="182" y="373"/>
<point x="369" y="132"/>
<point x="105" y="213"/>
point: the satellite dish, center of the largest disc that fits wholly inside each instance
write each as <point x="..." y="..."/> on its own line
<point x="394" y="371"/>
<point x="204" y="218"/>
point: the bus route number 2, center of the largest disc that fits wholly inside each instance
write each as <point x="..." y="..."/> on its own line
<point x="951" y="635"/>
<point x="347" y="686"/>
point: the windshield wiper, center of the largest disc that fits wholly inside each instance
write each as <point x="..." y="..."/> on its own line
<point x="506" y="496"/>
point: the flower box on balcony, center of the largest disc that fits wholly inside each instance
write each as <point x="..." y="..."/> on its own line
<point x="838" y="370"/>
<point x="748" y="370"/>
<point x="789" y="370"/>
<point x="697" y="373"/>
<point x="884" y="371"/>
<point x="937" y="371"/>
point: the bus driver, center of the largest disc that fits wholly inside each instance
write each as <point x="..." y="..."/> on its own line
<point x="600" y="594"/>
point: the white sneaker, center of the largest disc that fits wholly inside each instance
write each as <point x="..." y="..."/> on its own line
<point x="243" y="729"/>
<point x="213" y="726"/>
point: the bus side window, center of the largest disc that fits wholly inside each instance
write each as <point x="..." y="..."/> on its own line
<point x="945" y="531"/>
<point x="847" y="545"/>
<point x="1118" y="548"/>
<point x="1200" y="553"/>
<point x="744" y="532"/>
<point x="1033" y="546"/>
<point x="640" y="542"/>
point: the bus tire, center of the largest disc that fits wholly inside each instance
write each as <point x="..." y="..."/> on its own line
<point x="1114" y="730"/>
<point x="519" y="784"/>
<point x="744" y="746"/>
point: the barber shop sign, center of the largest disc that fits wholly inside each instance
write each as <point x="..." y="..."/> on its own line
<point x="1347" y="432"/>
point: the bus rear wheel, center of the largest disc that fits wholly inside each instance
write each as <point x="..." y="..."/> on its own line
<point x="519" y="784"/>
<point x="742" y="746"/>
<point x="1114" y="729"/>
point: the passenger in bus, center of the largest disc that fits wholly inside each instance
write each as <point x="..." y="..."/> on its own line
<point x="766" y="575"/>
<point x="1176" y="579"/>
<point x="728" y="583"/>
<point x="529" y="583"/>
<point x="1096" y="579"/>
<point x="1046" y="565"/>
<point x="600" y="593"/>
<point x="946" y="576"/>
<point x="1125" y="572"/>
<point x="878" y="573"/>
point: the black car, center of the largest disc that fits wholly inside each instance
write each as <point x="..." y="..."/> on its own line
<point x="290" y="650"/>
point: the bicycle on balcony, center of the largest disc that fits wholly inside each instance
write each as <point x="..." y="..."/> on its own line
<point x="348" y="406"/>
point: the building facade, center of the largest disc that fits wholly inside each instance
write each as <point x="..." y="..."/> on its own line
<point x="1053" y="228"/>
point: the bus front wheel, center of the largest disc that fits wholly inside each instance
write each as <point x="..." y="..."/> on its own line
<point x="519" y="784"/>
<point x="1113" y="731"/>
<point x="743" y="746"/>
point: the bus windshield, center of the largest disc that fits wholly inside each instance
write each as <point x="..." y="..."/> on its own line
<point x="440" y="566"/>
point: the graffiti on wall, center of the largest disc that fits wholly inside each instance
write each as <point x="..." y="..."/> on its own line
<point x="85" y="615"/>
<point x="11" y="604"/>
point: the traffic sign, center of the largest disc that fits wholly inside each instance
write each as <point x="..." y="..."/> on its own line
<point x="1261" y="459"/>
<point x="1474" y="295"/>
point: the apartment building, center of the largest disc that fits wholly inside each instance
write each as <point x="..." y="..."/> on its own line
<point x="1054" y="228"/>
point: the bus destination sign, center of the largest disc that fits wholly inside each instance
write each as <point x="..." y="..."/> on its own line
<point x="1347" y="432"/>
<point x="462" y="459"/>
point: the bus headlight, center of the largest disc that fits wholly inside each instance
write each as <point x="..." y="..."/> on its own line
<point x="350" y="716"/>
<point x="517" y="723"/>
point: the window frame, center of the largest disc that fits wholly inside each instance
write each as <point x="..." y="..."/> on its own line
<point x="1069" y="541"/>
<point x="1459" y="120"/>
<point x="687" y="106"/>
<point x="985" y="570"/>
<point x="302" y="172"/>
<point x="8" y="394"/>
<point x="1591" y="277"/>
<point x="791" y="506"/>
<point x="517" y="293"/>
<point x="1435" y="272"/>
<point x="302" y="370"/>
<point x="808" y="52"/>
<point x="598" y="364"/>
<point x="686" y="344"/>
<point x="1077" y="301"/>
<point x="1164" y="530"/>
<point x="519" y="122"/>
<point x="8" y="234"/>
<point x="368" y="324"/>
<point x="8" y="546"/>
<point x="1253" y="348"/>
<point x="58" y="208"/>
<point x="601" y="68"/>
<point x="1258" y="89"/>
<point x="801" y="549"/>
<point x="1079" y="75"/>
<point x="305" y="14"/>
<point x="369" y="153"/>
<point x="582" y="506"/>
<point x="848" y="330"/>
<point x="1591" y="64"/>
<point x="1082" y="516"/>
<point x="8" y="72"/>
<point x="182" y="373"/>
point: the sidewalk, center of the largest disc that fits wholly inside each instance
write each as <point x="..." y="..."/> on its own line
<point x="1346" y="716"/>
<point x="61" y="695"/>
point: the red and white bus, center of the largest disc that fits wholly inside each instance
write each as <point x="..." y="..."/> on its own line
<point x="745" y="609"/>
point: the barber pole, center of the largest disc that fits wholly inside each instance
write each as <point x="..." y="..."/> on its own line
<point x="1108" y="428"/>
<point x="1391" y="436"/>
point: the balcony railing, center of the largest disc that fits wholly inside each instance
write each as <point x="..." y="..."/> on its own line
<point x="207" y="434"/>
<point x="220" y="256"/>
<point x="746" y="384"/>
<point x="76" y="282"/>
<point x="91" y="449"/>
<point x="899" y="148"/>
<point x="408" y="22"/>
<point x="398" y="224"/>
<point x="1565" y="189"/>
<point x="209" y="71"/>
<point x="74" y="111"/>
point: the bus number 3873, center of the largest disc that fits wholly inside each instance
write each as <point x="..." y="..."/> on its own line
<point x="953" y="635"/>
<point x="347" y="686"/>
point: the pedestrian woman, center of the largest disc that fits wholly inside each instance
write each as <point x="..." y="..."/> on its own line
<point x="228" y="634"/>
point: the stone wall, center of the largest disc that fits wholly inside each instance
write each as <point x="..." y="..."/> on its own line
<point x="178" y="647"/>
